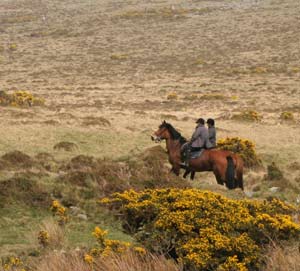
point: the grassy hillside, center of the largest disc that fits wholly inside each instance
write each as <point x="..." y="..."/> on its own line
<point x="109" y="73"/>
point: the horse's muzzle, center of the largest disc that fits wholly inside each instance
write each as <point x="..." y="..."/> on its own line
<point x="155" y="138"/>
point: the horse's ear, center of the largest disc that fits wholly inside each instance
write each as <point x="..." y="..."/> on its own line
<point x="164" y="122"/>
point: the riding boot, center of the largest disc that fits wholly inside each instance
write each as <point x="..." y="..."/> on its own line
<point x="187" y="157"/>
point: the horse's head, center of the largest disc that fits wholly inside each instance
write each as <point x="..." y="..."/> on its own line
<point x="162" y="132"/>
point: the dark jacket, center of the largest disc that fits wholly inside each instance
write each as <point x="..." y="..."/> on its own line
<point x="212" y="136"/>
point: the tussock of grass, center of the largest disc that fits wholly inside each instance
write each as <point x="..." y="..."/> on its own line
<point x="96" y="121"/>
<point x="71" y="261"/>
<point x="22" y="190"/>
<point x="273" y="172"/>
<point x="56" y="234"/>
<point x="213" y="96"/>
<point x="282" y="257"/>
<point x="47" y="161"/>
<point x="17" y="19"/>
<point x="148" y="170"/>
<point x="18" y="159"/>
<point x="66" y="146"/>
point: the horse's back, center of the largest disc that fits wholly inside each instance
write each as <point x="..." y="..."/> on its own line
<point x="220" y="156"/>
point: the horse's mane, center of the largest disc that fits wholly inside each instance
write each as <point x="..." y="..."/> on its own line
<point x="173" y="132"/>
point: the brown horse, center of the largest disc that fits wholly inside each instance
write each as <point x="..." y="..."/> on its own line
<point x="226" y="166"/>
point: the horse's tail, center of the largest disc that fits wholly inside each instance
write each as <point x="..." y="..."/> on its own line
<point x="230" y="173"/>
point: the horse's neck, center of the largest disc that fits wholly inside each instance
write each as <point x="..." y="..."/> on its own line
<point x="173" y="147"/>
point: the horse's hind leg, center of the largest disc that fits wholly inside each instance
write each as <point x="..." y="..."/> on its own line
<point x="218" y="175"/>
<point x="193" y="175"/>
<point x="239" y="179"/>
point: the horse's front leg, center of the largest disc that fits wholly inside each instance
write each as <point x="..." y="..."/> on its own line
<point x="186" y="173"/>
<point x="176" y="169"/>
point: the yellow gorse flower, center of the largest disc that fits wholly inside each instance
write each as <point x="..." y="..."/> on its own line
<point x="59" y="211"/>
<point x="107" y="246"/>
<point x="244" y="147"/>
<point x="12" y="264"/>
<point x="43" y="237"/>
<point x="88" y="259"/>
<point x="207" y="230"/>
<point x="20" y="98"/>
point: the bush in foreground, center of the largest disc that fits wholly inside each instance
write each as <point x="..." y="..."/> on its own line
<point x="204" y="230"/>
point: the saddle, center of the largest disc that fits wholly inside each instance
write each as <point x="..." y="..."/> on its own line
<point x="186" y="153"/>
<point x="196" y="154"/>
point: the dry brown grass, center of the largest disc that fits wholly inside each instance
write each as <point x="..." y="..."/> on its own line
<point x="57" y="234"/>
<point x="282" y="258"/>
<point x="106" y="65"/>
<point x="66" y="146"/>
<point x="18" y="159"/>
<point x="148" y="170"/>
<point x="24" y="191"/>
<point x="125" y="262"/>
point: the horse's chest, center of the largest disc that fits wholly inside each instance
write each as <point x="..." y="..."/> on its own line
<point x="173" y="157"/>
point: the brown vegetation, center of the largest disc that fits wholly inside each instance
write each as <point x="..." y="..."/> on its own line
<point x="56" y="261"/>
<point x="25" y="191"/>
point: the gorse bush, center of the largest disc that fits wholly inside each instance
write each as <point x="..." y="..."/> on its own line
<point x="20" y="99"/>
<point x="107" y="247"/>
<point x="204" y="230"/>
<point x="172" y="96"/>
<point x="60" y="212"/>
<point x="287" y="116"/>
<point x="248" y="115"/>
<point x="12" y="264"/>
<point x="244" y="147"/>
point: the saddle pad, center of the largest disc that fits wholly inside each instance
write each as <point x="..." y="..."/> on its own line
<point x="196" y="154"/>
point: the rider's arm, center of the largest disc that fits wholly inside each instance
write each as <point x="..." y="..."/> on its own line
<point x="196" y="134"/>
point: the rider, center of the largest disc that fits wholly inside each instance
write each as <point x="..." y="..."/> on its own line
<point x="212" y="132"/>
<point x="200" y="136"/>
<point x="198" y="141"/>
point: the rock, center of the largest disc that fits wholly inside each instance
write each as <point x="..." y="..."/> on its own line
<point x="75" y="210"/>
<point x="274" y="189"/>
<point x="249" y="194"/>
<point x="82" y="216"/>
